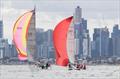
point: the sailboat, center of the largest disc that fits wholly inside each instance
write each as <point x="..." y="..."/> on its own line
<point x="63" y="38"/>
<point x="64" y="43"/>
<point x="24" y="36"/>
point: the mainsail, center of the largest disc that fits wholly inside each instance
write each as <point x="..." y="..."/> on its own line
<point x="71" y="43"/>
<point x="23" y="33"/>
<point x="31" y="44"/>
<point x="60" y="41"/>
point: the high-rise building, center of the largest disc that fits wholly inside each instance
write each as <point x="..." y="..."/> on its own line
<point x="44" y="50"/>
<point x="80" y="31"/>
<point x="44" y="43"/>
<point x="84" y="24"/>
<point x="4" y="48"/>
<point x="110" y="48"/>
<point x="40" y="38"/>
<point x="49" y="37"/>
<point x="100" y="42"/>
<point x="77" y="15"/>
<point x="86" y="45"/>
<point x="93" y="50"/>
<point x="116" y="41"/>
<point x="49" y="43"/>
<point x="13" y="50"/>
<point x="1" y="29"/>
<point x="51" y="52"/>
<point x="77" y="50"/>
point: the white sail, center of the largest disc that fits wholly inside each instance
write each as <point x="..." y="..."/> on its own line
<point x="31" y="44"/>
<point x="70" y="43"/>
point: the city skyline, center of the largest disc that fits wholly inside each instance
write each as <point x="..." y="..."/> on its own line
<point x="98" y="13"/>
<point x="59" y="36"/>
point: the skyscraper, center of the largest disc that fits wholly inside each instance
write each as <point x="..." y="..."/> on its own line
<point x="116" y="41"/>
<point x="77" y="15"/>
<point x="1" y="42"/>
<point x="1" y="29"/>
<point x="40" y="38"/>
<point x="101" y="42"/>
<point x="49" y="36"/>
<point x="81" y="33"/>
<point x="4" y="48"/>
<point x="110" y="50"/>
<point x="44" y="43"/>
<point x="86" y="45"/>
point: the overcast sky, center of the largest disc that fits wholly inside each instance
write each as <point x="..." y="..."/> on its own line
<point x="99" y="13"/>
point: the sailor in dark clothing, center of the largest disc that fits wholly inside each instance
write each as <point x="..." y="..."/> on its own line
<point x="43" y="67"/>
<point x="47" y="65"/>
<point x="69" y="66"/>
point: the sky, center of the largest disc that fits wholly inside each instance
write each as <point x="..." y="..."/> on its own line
<point x="99" y="13"/>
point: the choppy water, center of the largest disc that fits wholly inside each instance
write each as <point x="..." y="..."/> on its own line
<point x="56" y="72"/>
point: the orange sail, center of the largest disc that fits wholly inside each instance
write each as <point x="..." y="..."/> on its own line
<point x="60" y="41"/>
<point x="20" y="34"/>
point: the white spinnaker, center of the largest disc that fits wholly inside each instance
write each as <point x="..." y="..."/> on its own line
<point x="70" y="43"/>
<point x="31" y="44"/>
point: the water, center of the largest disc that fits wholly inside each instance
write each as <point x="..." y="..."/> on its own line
<point x="56" y="72"/>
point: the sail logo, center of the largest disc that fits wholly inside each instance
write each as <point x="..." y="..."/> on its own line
<point x="19" y="27"/>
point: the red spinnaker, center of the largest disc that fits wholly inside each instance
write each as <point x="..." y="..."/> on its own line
<point x="60" y="41"/>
